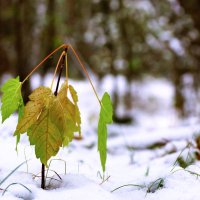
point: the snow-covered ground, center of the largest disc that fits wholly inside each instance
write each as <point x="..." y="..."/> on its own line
<point x="141" y="162"/>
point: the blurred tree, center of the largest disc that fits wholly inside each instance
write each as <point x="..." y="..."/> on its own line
<point x="192" y="9"/>
<point x="77" y="20"/>
<point x="177" y="37"/>
<point x="4" y="27"/>
<point x="48" y="37"/>
<point x="133" y="38"/>
<point x="23" y="31"/>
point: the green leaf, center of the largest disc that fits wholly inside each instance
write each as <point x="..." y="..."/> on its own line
<point x="20" y="115"/>
<point x="20" y="109"/>
<point x="11" y="98"/>
<point x="106" y="114"/>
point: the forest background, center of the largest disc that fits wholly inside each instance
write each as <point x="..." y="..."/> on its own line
<point x="122" y="38"/>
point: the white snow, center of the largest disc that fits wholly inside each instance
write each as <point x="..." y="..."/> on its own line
<point x="132" y="155"/>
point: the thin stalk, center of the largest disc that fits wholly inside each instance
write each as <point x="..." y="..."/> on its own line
<point x="43" y="180"/>
<point x="66" y="66"/>
<point x="86" y="73"/>
<point x="37" y="66"/>
<point x="59" y="76"/>
<point x="58" y="64"/>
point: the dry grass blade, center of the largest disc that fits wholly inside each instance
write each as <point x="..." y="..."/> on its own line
<point x="12" y="172"/>
<point x="16" y="184"/>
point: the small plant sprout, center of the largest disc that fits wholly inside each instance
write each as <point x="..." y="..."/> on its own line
<point x="50" y="118"/>
<point x="151" y="188"/>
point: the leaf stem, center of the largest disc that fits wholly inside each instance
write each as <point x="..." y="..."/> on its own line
<point x="86" y="73"/>
<point x="58" y="64"/>
<point x="37" y="66"/>
<point x="66" y="66"/>
<point x="65" y="46"/>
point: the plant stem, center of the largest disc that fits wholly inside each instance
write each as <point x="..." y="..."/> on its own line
<point x="55" y="93"/>
<point x="59" y="76"/>
<point x="57" y="66"/>
<point x="43" y="177"/>
<point x="66" y="67"/>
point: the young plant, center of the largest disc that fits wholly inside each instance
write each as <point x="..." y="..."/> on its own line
<point x="49" y="118"/>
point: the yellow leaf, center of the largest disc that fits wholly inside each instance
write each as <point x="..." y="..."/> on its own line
<point x="66" y="109"/>
<point x="50" y="121"/>
<point x="33" y="108"/>
<point x="46" y="137"/>
<point x="77" y="114"/>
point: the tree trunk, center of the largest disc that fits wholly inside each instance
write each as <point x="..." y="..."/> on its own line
<point x="23" y="31"/>
<point x="49" y="34"/>
<point x="192" y="8"/>
<point x="4" y="64"/>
